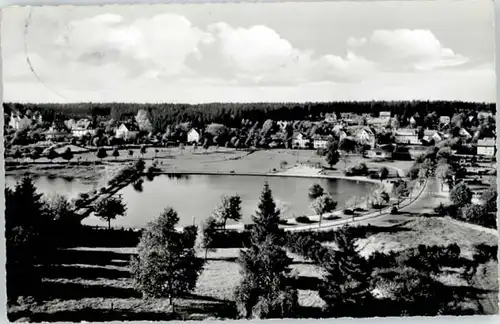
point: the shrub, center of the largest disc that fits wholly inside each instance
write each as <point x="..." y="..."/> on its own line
<point x="302" y="219"/>
<point x="283" y="221"/>
<point x="485" y="252"/>
<point x="441" y="210"/>
<point x="248" y="227"/>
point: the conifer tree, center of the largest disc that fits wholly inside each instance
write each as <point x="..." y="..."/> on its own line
<point x="24" y="241"/>
<point x="265" y="290"/>
<point x="346" y="286"/>
<point x="266" y="217"/>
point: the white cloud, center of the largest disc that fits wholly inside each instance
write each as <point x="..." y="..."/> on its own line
<point x="254" y="49"/>
<point x="165" y="57"/>
<point x="416" y="49"/>
<point x="163" y="42"/>
<point x="259" y="55"/>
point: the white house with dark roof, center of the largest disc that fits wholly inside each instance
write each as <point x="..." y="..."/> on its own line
<point x="464" y="133"/>
<point x="432" y="135"/>
<point x="486" y="146"/>
<point x="127" y="131"/>
<point x="193" y="136"/>
<point x="80" y="128"/>
<point x="365" y="136"/>
<point x="378" y="153"/>
<point x="54" y="133"/>
<point x="320" y="142"/>
<point x="385" y="115"/>
<point x="484" y="114"/>
<point x="300" y="140"/>
<point x="406" y="136"/>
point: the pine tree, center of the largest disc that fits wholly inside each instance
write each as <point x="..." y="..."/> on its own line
<point x="345" y="289"/>
<point x="265" y="290"/>
<point x="25" y="246"/>
<point x="267" y="217"/>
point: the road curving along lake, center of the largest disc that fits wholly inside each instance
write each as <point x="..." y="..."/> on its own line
<point x="195" y="196"/>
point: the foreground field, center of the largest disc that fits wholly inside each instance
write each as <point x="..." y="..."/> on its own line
<point x="95" y="284"/>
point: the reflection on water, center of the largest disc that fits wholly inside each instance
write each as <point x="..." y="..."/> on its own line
<point x="196" y="196"/>
<point x="177" y="176"/>
<point x="50" y="185"/>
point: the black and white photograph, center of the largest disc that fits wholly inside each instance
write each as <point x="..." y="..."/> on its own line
<point x="224" y="161"/>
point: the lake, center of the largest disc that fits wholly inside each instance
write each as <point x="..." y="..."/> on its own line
<point x="194" y="197"/>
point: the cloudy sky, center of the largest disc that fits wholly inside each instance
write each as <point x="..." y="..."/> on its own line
<point x="323" y="51"/>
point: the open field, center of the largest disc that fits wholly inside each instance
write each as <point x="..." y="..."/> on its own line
<point x="220" y="160"/>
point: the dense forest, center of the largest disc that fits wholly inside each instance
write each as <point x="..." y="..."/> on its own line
<point x="231" y="114"/>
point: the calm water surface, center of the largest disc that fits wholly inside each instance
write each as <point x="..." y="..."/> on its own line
<point x="195" y="196"/>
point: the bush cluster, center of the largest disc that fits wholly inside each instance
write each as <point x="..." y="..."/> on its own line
<point x="358" y="170"/>
<point x="303" y="219"/>
<point x="425" y="258"/>
<point x="127" y="173"/>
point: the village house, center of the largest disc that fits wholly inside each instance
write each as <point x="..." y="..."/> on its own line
<point x="37" y="117"/>
<point x="431" y="135"/>
<point x="386" y="115"/>
<point x="484" y="114"/>
<point x="377" y="121"/>
<point x="464" y="134"/>
<point x="365" y="136"/>
<point x="413" y="122"/>
<point x="346" y="115"/>
<point x="127" y="131"/>
<point x="19" y="122"/>
<point x="378" y="153"/>
<point x="54" y="133"/>
<point x="320" y="142"/>
<point x="486" y="146"/>
<point x="444" y="120"/>
<point x="330" y="118"/>
<point x="406" y="136"/>
<point x="351" y="118"/>
<point x="341" y="135"/>
<point x="299" y="140"/>
<point x="80" y="128"/>
<point x="337" y="128"/>
<point x="193" y="136"/>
